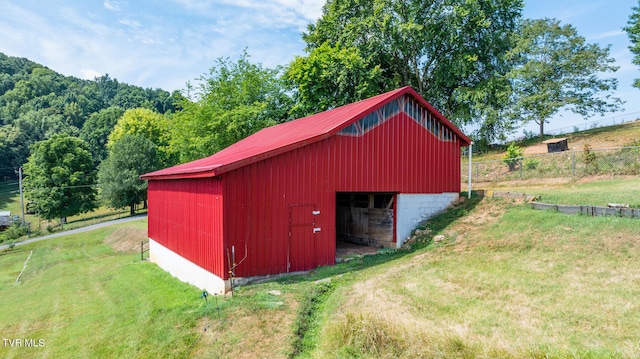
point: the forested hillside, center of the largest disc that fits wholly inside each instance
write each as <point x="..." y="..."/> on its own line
<point x="83" y="144"/>
<point x="37" y="102"/>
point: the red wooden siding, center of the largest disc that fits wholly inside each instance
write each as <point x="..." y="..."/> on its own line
<point x="186" y="217"/>
<point x="397" y="156"/>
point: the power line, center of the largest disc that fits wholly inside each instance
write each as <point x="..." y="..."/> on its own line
<point x="9" y="184"/>
<point x="63" y="187"/>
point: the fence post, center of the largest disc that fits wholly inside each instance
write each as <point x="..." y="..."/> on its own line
<point x="573" y="163"/>
<point x="470" y="166"/>
<point x="521" y="163"/>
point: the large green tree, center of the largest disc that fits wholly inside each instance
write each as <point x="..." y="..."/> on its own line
<point x="147" y="123"/>
<point x="330" y="77"/>
<point x="60" y="177"/>
<point x="559" y="70"/>
<point x="119" y="174"/>
<point x="97" y="128"/>
<point x="445" y="49"/>
<point x="232" y="102"/>
<point x="633" y="31"/>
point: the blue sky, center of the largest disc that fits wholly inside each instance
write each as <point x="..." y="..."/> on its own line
<point x="167" y="43"/>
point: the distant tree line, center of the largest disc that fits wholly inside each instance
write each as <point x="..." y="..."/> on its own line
<point x="478" y="62"/>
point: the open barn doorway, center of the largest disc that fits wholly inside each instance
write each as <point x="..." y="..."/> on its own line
<point x="364" y="222"/>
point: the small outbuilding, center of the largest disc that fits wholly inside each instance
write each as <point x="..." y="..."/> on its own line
<point x="557" y="145"/>
<point x="278" y="201"/>
<point x="5" y="220"/>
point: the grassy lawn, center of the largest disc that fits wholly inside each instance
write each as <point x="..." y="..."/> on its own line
<point x="10" y="201"/>
<point x="507" y="282"/>
<point x="83" y="299"/>
<point x="510" y="282"/>
<point x="598" y="193"/>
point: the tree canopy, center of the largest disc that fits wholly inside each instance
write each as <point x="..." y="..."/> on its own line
<point x="60" y="177"/>
<point x="37" y="102"/>
<point x="557" y="69"/>
<point x="445" y="49"/>
<point x="97" y="128"/>
<point x="147" y="123"/>
<point x="119" y="174"/>
<point x="633" y="31"/>
<point x="233" y="101"/>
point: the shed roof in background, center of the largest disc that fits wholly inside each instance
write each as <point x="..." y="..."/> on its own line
<point x="287" y="136"/>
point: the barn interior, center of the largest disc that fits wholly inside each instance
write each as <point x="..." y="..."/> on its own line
<point x="365" y="220"/>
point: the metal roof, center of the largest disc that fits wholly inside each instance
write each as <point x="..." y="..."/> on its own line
<point x="286" y="136"/>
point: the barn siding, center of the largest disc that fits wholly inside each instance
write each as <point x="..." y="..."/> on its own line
<point x="185" y="216"/>
<point x="399" y="155"/>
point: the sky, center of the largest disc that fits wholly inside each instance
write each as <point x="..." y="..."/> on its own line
<point x="164" y="44"/>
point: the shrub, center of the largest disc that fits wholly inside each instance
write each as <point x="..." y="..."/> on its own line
<point x="531" y="163"/>
<point x="15" y="231"/>
<point x="589" y="158"/>
<point x="513" y="156"/>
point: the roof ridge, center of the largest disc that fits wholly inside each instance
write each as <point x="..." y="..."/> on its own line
<point x="289" y="135"/>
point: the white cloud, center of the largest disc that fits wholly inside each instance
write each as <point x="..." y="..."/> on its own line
<point x="606" y="35"/>
<point x="130" y="23"/>
<point x="112" y="5"/>
<point x="89" y="74"/>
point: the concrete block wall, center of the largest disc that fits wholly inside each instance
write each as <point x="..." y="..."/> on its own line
<point x="413" y="209"/>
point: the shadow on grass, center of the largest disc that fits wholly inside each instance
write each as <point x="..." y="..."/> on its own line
<point x="8" y="189"/>
<point x="436" y="224"/>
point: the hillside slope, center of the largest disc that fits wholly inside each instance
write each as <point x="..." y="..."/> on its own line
<point x="626" y="134"/>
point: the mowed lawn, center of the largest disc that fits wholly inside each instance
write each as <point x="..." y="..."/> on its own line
<point x="78" y="298"/>
<point x="507" y="282"/>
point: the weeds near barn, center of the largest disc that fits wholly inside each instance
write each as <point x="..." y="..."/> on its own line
<point x="519" y="283"/>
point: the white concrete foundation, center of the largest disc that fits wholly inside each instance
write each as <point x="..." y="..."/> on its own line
<point x="413" y="209"/>
<point x="184" y="269"/>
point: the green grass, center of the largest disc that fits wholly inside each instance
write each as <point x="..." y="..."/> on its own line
<point x="600" y="193"/>
<point x="85" y="300"/>
<point x="508" y="282"/>
<point x="529" y="284"/>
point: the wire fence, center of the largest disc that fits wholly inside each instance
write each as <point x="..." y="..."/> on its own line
<point x="588" y="162"/>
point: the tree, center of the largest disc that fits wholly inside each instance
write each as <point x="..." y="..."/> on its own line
<point x="60" y="177"/>
<point x="97" y="128"/>
<point x="633" y="31"/>
<point x="444" y="49"/>
<point x="148" y="124"/>
<point x="316" y="77"/>
<point x="558" y="70"/>
<point x="36" y="102"/>
<point x="513" y="156"/>
<point x="235" y="100"/>
<point x="119" y="174"/>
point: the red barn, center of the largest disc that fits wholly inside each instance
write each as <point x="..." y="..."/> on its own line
<point x="279" y="200"/>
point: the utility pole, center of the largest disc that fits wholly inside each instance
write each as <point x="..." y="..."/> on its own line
<point x="21" y="196"/>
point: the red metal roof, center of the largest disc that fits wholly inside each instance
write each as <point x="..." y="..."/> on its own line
<point x="290" y="135"/>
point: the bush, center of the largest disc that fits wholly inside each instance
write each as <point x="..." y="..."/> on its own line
<point x="15" y="231"/>
<point x="589" y="159"/>
<point x="513" y="156"/>
<point x="531" y="163"/>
